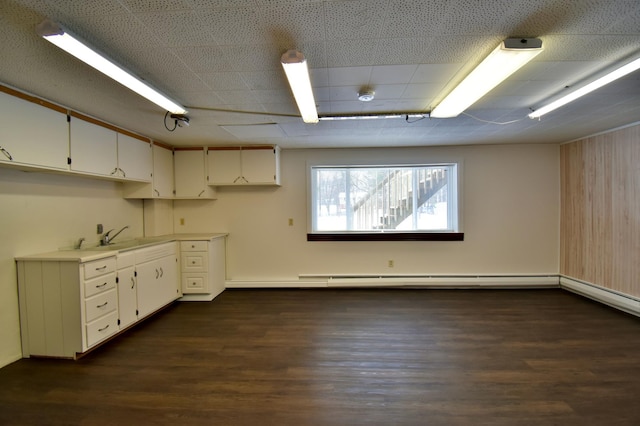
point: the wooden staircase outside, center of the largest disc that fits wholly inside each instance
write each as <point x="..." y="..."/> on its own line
<point x="390" y="202"/>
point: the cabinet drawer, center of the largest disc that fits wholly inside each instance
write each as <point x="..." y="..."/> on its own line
<point x="102" y="328"/>
<point x="194" y="283"/>
<point x="193" y="245"/>
<point x="194" y="262"/>
<point x="99" y="284"/>
<point x="99" y="267"/>
<point x="100" y="304"/>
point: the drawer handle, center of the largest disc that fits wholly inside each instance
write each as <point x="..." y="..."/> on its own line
<point x="157" y="274"/>
<point x="161" y="272"/>
<point x="102" y="268"/>
<point x="104" y="328"/>
<point x="103" y="305"/>
<point x="193" y="262"/>
<point x="101" y="285"/>
<point x="133" y="282"/>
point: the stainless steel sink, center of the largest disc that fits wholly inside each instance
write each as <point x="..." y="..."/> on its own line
<point x="130" y="244"/>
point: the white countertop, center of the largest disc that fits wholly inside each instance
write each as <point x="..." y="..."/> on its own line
<point x="94" y="253"/>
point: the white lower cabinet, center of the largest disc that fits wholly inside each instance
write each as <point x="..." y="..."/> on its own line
<point x="157" y="277"/>
<point x="202" y="268"/>
<point x="127" y="291"/>
<point x="68" y="306"/>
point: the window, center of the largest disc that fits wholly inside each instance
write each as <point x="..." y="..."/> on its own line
<point x="417" y="202"/>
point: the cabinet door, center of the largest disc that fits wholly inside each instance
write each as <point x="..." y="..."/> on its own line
<point x="32" y="135"/>
<point x="260" y="166"/>
<point x="190" y="178"/>
<point x="127" y="297"/>
<point x="157" y="284"/>
<point x="135" y="159"/>
<point x="93" y="148"/>
<point x="224" y="167"/>
<point x="162" y="172"/>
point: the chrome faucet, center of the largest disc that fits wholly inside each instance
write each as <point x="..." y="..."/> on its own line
<point x="106" y="239"/>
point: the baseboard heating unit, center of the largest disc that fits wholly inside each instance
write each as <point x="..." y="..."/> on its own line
<point x="431" y="281"/>
<point x="600" y="294"/>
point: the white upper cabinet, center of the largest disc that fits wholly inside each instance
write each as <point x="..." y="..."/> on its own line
<point x="248" y="165"/>
<point x="161" y="185"/>
<point x="32" y="135"/>
<point x="135" y="159"/>
<point x="190" y="174"/>
<point x="98" y="150"/>
<point x="94" y="148"/>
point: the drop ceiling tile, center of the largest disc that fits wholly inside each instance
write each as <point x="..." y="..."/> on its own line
<point x="346" y="53"/>
<point x="424" y="91"/>
<point x="176" y="29"/>
<point x="389" y="91"/>
<point x="399" y="51"/>
<point x="244" y="58"/>
<point x="205" y="59"/>
<point x="319" y="77"/>
<point x="392" y="74"/>
<point x="355" y="19"/>
<point x="322" y="94"/>
<point x="232" y="26"/>
<point x="472" y="17"/>
<point x="462" y="49"/>
<point x="255" y="131"/>
<point x="349" y="76"/>
<point x="265" y="80"/>
<point x="224" y="81"/>
<point x="296" y="20"/>
<point x="435" y="73"/>
<point x="137" y="6"/>
<point x="82" y="9"/>
<point x="343" y="93"/>
<point x="406" y="19"/>
<point x="203" y="99"/>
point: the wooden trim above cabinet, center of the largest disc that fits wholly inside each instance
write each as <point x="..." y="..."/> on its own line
<point x="188" y="148"/>
<point x="33" y="99"/>
<point x="163" y="145"/>
<point x="108" y="126"/>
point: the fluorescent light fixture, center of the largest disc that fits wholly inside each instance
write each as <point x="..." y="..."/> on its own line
<point x="53" y="33"/>
<point x="507" y="58"/>
<point x="295" y="67"/>
<point x="614" y="75"/>
<point x="379" y="116"/>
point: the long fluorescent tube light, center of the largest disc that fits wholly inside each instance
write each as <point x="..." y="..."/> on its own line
<point x="53" y="33"/>
<point x="295" y="67"/>
<point x="614" y="75"/>
<point x="507" y="58"/>
<point x="379" y="116"/>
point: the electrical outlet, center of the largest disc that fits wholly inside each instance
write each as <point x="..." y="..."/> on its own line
<point x="390" y="264"/>
<point x="99" y="229"/>
<point x="290" y="221"/>
<point x="182" y="221"/>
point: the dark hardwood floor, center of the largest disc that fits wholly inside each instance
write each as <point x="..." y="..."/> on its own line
<point x="348" y="357"/>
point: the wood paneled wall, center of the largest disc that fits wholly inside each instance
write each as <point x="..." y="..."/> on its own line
<point x="600" y="210"/>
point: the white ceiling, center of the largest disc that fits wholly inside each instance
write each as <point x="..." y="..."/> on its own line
<point x="221" y="60"/>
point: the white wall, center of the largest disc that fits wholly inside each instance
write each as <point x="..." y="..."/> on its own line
<point x="510" y="218"/>
<point x="45" y="212"/>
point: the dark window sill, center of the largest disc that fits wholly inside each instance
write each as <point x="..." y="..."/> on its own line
<point x="388" y="236"/>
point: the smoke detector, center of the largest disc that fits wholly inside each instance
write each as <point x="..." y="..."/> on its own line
<point x="366" y="95"/>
